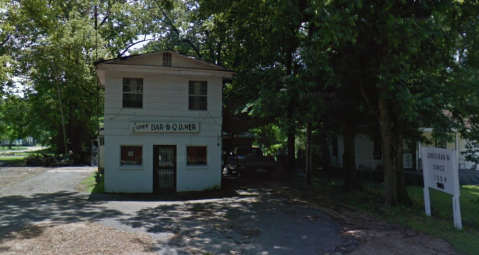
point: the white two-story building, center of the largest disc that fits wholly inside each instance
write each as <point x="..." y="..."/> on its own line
<point x="163" y="118"/>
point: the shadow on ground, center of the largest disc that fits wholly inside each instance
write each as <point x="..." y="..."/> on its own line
<point x="253" y="222"/>
<point x="17" y="212"/>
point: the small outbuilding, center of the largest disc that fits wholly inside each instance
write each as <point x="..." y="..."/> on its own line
<point x="163" y="119"/>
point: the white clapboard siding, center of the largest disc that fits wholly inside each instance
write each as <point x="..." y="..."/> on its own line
<point x="121" y="114"/>
<point x="364" y="153"/>
<point x="165" y="99"/>
<point x="365" y="146"/>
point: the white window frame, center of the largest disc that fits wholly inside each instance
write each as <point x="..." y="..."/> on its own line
<point x="141" y="92"/>
<point x="197" y="94"/>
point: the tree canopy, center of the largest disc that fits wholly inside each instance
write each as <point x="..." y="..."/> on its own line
<point x="393" y="66"/>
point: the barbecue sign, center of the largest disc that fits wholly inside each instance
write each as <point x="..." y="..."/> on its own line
<point x="173" y="127"/>
<point x="440" y="172"/>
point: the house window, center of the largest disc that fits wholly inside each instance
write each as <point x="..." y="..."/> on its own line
<point x="377" y="150"/>
<point x="132" y="93"/>
<point x="102" y="140"/>
<point x="196" y="155"/>
<point x="197" y="95"/>
<point x="335" y="146"/>
<point x="131" y="155"/>
<point x="166" y="59"/>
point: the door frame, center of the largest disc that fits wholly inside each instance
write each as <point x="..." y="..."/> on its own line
<point x="156" y="177"/>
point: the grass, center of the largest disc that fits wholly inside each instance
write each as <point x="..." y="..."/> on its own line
<point x="47" y="151"/>
<point x="89" y="184"/>
<point x="13" y="160"/>
<point x="440" y="224"/>
<point x="24" y="154"/>
<point x="5" y="148"/>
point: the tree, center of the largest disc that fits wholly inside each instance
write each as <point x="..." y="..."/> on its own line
<point x="53" y="46"/>
<point x="13" y="118"/>
<point x="406" y="54"/>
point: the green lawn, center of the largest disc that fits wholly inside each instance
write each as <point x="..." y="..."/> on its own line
<point x="17" y="161"/>
<point x="89" y="184"/>
<point x="440" y="224"/>
<point x="14" y="153"/>
<point x="2" y="148"/>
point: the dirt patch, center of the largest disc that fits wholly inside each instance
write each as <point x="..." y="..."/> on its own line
<point x="11" y="175"/>
<point x="76" y="238"/>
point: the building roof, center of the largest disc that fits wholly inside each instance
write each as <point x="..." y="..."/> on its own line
<point x="139" y="56"/>
<point x="152" y="63"/>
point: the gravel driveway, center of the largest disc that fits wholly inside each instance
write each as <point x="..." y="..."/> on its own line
<point x="45" y="215"/>
<point x="47" y="207"/>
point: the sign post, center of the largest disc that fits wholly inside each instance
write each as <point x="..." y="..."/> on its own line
<point x="440" y="172"/>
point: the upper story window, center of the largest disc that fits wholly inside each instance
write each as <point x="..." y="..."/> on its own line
<point x="132" y="93"/>
<point x="197" y="91"/>
<point x="167" y="59"/>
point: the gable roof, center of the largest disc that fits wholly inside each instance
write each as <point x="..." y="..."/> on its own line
<point x="122" y="60"/>
<point x="153" y="63"/>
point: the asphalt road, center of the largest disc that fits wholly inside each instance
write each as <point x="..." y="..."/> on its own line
<point x="249" y="221"/>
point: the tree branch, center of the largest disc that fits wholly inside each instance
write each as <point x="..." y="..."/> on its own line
<point x="135" y="43"/>
<point x="178" y="32"/>
<point x="5" y="41"/>
<point x="105" y="19"/>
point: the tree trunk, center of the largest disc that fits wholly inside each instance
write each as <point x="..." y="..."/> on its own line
<point x="325" y="150"/>
<point x="291" y="150"/>
<point x="351" y="182"/>
<point x="308" y="153"/>
<point x="291" y="126"/>
<point x="394" y="182"/>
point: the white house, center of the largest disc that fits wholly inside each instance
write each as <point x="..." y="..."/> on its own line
<point x="369" y="152"/>
<point x="163" y="118"/>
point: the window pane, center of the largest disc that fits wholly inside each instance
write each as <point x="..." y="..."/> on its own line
<point x="196" y="155"/>
<point x="166" y="59"/>
<point x="198" y="88"/>
<point x="191" y="90"/>
<point x="197" y="103"/>
<point x="203" y="89"/>
<point x="131" y="155"/>
<point x="132" y="93"/>
<point x="133" y="100"/>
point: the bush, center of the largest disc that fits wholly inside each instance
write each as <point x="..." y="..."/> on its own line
<point x="47" y="160"/>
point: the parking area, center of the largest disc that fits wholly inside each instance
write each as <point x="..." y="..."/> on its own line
<point x="250" y="221"/>
<point x="46" y="215"/>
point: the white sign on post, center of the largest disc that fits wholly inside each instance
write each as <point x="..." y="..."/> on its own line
<point x="440" y="172"/>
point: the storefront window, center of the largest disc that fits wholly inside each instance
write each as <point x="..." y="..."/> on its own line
<point x="196" y="155"/>
<point x="131" y="155"/>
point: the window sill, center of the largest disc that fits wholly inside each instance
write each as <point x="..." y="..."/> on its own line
<point x="197" y="167"/>
<point x="127" y="167"/>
